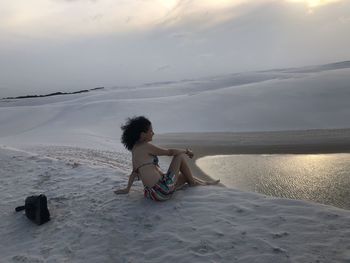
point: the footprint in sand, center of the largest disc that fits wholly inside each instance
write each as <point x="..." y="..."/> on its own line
<point x="23" y="258"/>
<point x="279" y="235"/>
<point x="203" y="247"/>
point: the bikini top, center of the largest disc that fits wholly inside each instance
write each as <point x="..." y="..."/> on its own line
<point x="155" y="161"/>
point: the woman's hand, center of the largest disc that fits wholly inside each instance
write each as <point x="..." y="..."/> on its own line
<point x="121" y="191"/>
<point x="189" y="153"/>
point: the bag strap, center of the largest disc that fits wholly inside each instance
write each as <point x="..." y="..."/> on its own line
<point x="20" y="208"/>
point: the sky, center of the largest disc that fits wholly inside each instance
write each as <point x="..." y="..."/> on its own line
<point x="67" y="45"/>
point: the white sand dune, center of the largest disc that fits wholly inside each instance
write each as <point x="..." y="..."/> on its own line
<point x="292" y="99"/>
<point x="205" y="224"/>
<point x="68" y="148"/>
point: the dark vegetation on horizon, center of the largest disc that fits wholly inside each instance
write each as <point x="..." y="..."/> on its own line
<point x="52" y="94"/>
<point x="305" y="69"/>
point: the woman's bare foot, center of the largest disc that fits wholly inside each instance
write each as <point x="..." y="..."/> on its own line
<point x="199" y="182"/>
<point x="202" y="182"/>
<point x="213" y="182"/>
<point x="196" y="183"/>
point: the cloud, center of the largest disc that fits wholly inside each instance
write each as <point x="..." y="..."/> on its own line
<point x="71" y="1"/>
<point x="70" y="18"/>
<point x="84" y="44"/>
<point x="162" y="68"/>
<point x="64" y="19"/>
<point x="179" y="35"/>
<point x="314" y="3"/>
<point x="205" y="13"/>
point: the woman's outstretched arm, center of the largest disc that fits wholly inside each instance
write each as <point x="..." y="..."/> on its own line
<point x="130" y="182"/>
<point x="155" y="150"/>
<point x="187" y="151"/>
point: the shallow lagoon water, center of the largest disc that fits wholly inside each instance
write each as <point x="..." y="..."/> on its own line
<point x="322" y="178"/>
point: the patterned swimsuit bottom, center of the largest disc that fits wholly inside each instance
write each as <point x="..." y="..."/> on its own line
<point x="162" y="190"/>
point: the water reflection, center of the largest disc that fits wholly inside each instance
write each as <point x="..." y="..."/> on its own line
<point x="323" y="178"/>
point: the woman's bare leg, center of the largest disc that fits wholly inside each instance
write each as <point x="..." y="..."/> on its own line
<point x="177" y="165"/>
<point x="185" y="169"/>
<point x="204" y="182"/>
<point x="183" y="172"/>
<point x="180" y="181"/>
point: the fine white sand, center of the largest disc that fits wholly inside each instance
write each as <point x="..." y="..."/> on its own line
<point x="204" y="224"/>
<point x="68" y="148"/>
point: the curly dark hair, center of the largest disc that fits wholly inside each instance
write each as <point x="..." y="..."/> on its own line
<point x="132" y="130"/>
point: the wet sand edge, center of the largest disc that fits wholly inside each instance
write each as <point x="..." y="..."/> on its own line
<point x="277" y="142"/>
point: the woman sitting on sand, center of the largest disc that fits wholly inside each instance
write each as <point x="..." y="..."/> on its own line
<point x="136" y="137"/>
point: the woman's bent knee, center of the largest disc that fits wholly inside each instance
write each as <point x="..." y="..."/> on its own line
<point x="180" y="156"/>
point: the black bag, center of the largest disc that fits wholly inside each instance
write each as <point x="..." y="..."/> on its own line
<point x="36" y="209"/>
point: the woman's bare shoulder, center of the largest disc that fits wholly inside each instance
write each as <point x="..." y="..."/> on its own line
<point x="149" y="149"/>
<point x="139" y="149"/>
<point x="155" y="150"/>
